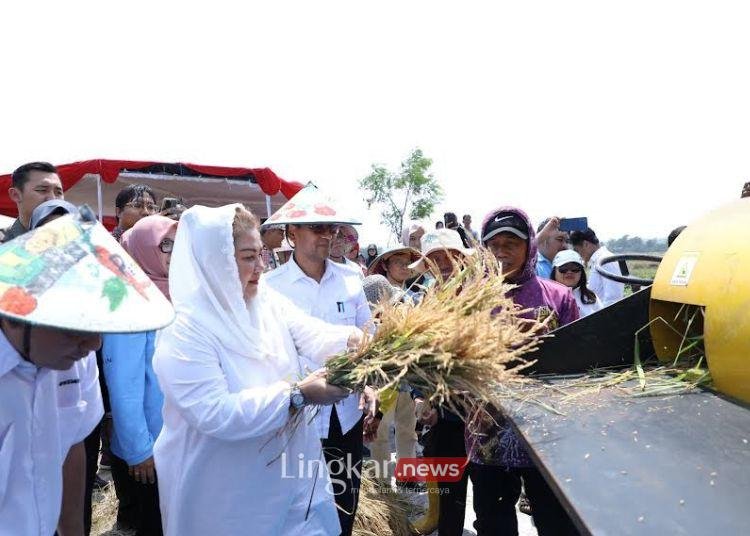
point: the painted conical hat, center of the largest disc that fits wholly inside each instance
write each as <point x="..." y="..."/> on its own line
<point x="71" y="274"/>
<point x="310" y="205"/>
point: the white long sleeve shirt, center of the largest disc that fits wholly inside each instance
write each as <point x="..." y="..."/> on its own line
<point x="606" y="290"/>
<point x="43" y="413"/>
<point x="227" y="463"/>
<point x="337" y="299"/>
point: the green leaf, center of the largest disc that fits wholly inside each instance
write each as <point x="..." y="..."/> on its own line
<point x="412" y="192"/>
<point x="115" y="291"/>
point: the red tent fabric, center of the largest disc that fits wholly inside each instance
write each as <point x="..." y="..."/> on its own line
<point x="109" y="170"/>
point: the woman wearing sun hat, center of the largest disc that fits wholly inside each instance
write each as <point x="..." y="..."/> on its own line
<point x="568" y="269"/>
<point x="394" y="265"/>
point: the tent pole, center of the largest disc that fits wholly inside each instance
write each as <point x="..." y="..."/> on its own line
<point x="99" y="198"/>
<point x="268" y="205"/>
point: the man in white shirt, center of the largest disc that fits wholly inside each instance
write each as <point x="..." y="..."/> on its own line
<point x="52" y="311"/>
<point x="587" y="245"/>
<point x="331" y="292"/>
<point x="49" y="403"/>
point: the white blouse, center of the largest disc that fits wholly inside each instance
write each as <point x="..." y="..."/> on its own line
<point x="226" y="462"/>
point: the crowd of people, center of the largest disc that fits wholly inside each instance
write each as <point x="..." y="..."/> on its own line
<point x="200" y="421"/>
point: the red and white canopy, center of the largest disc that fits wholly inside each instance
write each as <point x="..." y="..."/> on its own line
<point x="97" y="183"/>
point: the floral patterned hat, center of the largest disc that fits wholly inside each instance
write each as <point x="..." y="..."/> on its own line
<point x="71" y="274"/>
<point x="310" y="206"/>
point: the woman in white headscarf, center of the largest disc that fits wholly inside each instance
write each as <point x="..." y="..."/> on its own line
<point x="228" y="458"/>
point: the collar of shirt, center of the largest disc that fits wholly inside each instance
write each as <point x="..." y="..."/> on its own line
<point x="596" y="255"/>
<point x="296" y="273"/>
<point x="9" y="357"/>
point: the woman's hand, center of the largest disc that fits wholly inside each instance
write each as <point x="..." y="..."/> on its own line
<point x="318" y="391"/>
<point x="144" y="472"/>
<point x="425" y="413"/>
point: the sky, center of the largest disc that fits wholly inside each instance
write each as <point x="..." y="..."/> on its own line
<point x="635" y="114"/>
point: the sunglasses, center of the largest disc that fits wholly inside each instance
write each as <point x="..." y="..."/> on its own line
<point x="166" y="245"/>
<point x="321" y="228"/>
<point x="575" y="270"/>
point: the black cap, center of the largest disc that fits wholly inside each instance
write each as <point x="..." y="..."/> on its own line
<point x="505" y="222"/>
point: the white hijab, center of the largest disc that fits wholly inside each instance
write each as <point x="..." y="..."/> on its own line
<point x="204" y="283"/>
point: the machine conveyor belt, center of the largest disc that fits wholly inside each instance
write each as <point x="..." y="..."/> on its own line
<point x="653" y="465"/>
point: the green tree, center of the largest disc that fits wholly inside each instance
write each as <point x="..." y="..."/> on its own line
<point x="412" y="191"/>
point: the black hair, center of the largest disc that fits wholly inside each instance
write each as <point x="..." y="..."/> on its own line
<point x="541" y="225"/>
<point x="587" y="295"/>
<point x="21" y="175"/>
<point x="439" y="224"/>
<point x="577" y="237"/>
<point x="130" y="193"/>
<point x="674" y="234"/>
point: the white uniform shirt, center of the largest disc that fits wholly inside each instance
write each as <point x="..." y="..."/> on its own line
<point x="43" y="413"/>
<point x="337" y="299"/>
<point x="606" y="290"/>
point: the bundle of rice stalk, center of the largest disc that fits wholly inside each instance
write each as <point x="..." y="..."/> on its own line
<point x="381" y="510"/>
<point x="465" y="337"/>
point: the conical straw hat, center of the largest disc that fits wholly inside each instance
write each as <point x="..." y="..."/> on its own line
<point x="72" y="274"/>
<point x="310" y="205"/>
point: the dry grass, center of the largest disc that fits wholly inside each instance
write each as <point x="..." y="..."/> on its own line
<point x="381" y="511"/>
<point x="465" y="337"/>
<point x="104" y="514"/>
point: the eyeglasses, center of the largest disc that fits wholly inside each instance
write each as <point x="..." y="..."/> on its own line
<point x="575" y="270"/>
<point x="140" y="205"/>
<point x="166" y="245"/>
<point x="322" y="228"/>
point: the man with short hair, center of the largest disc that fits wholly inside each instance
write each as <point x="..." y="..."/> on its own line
<point x="331" y="292"/>
<point x="550" y="241"/>
<point x="33" y="184"/>
<point x="271" y="236"/>
<point x="587" y="245"/>
<point x="49" y="392"/>
<point x="132" y="203"/>
<point x="467" y="226"/>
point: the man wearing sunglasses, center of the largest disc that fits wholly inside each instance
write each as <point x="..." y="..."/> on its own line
<point x="342" y="245"/>
<point x="331" y="292"/>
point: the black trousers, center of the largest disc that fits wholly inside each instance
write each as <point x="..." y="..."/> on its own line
<point x="446" y="440"/>
<point x="143" y="513"/>
<point x="343" y="454"/>
<point x="496" y="492"/>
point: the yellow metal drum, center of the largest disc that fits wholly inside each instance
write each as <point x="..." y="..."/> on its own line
<point x="709" y="266"/>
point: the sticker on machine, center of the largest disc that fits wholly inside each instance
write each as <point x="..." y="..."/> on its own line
<point x="684" y="269"/>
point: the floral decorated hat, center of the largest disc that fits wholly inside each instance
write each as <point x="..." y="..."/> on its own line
<point x="71" y="274"/>
<point x="310" y="206"/>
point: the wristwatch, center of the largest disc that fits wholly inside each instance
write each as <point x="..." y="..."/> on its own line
<point x="296" y="398"/>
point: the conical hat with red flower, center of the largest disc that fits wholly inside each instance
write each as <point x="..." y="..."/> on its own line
<point x="72" y="274"/>
<point x="310" y="205"/>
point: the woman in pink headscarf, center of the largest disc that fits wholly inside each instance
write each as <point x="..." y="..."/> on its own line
<point x="134" y="393"/>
